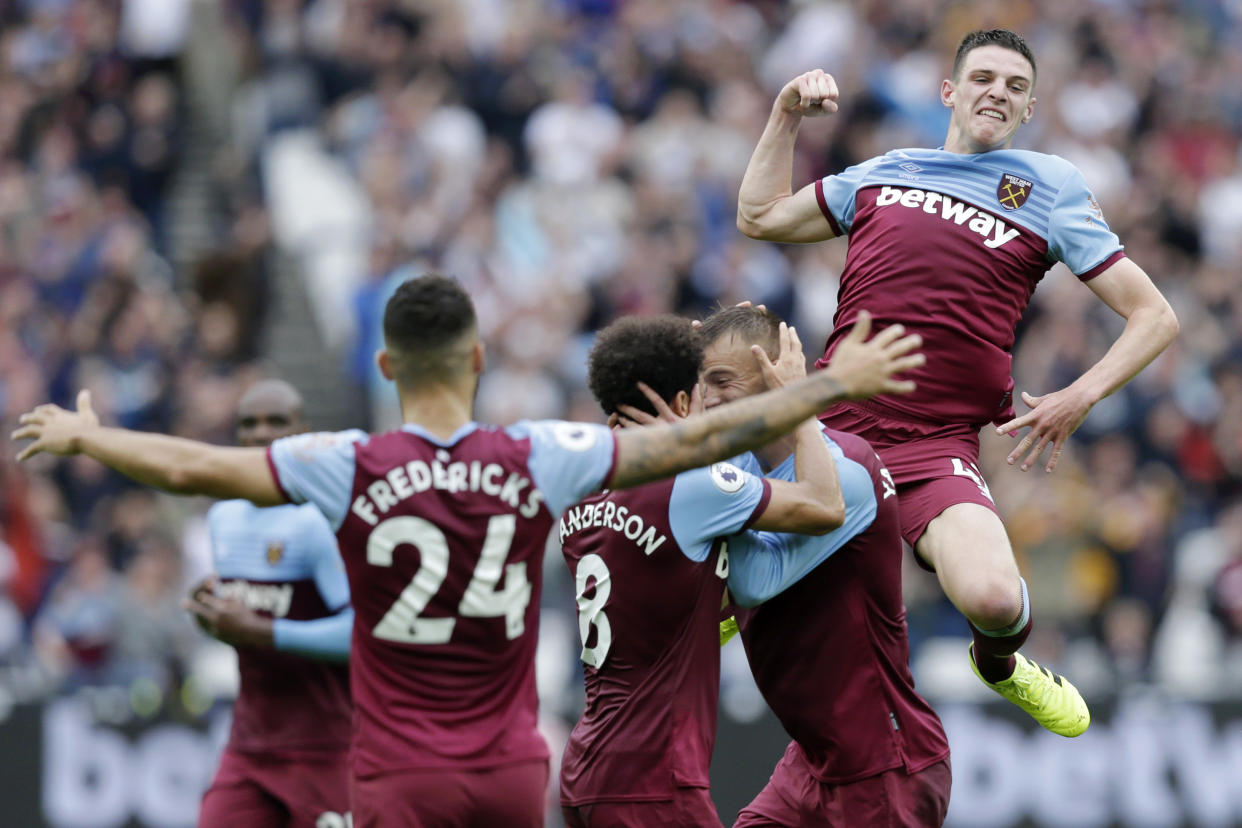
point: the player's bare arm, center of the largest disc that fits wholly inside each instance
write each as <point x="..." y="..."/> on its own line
<point x="170" y="463"/>
<point x="860" y="369"/>
<point x="767" y="206"/>
<point x="812" y="504"/>
<point x="1150" y="327"/>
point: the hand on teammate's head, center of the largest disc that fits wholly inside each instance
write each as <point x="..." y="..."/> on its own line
<point x="790" y="364"/>
<point x="629" y="415"/>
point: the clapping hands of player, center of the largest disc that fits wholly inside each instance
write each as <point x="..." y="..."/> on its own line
<point x="812" y="93"/>
<point x="867" y="367"/>
<point x="224" y="619"/>
<point x="53" y="429"/>
<point x="1052" y="419"/>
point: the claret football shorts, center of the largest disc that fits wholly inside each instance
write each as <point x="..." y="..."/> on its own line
<point x="933" y="466"/>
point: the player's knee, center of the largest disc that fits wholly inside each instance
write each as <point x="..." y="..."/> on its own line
<point x="991" y="601"/>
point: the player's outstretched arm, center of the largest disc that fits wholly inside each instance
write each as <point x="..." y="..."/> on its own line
<point x="859" y="369"/>
<point x="1151" y="325"/>
<point x="171" y="463"/>
<point x="767" y="207"/>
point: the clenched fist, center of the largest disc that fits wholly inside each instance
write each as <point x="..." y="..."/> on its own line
<point x="812" y="93"/>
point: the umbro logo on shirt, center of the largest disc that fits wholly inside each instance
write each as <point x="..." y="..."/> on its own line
<point x="994" y="231"/>
<point x="911" y="171"/>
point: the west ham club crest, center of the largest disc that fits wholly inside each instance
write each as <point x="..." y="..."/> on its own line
<point x="1013" y="191"/>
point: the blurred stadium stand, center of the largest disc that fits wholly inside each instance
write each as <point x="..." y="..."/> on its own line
<point x="197" y="193"/>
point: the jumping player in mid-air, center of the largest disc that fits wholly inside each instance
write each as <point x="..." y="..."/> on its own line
<point x="951" y="243"/>
<point x="279" y="595"/>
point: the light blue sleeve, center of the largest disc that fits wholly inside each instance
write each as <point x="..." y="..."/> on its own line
<point x="748" y="463"/>
<point x="317" y="468"/>
<point x="323" y="638"/>
<point x="329" y="569"/>
<point x="1077" y="232"/>
<point x="839" y="192"/>
<point x="764" y="564"/>
<point x="712" y="503"/>
<point x="214" y="515"/>
<point x="568" y="461"/>
<point x="326" y="638"/>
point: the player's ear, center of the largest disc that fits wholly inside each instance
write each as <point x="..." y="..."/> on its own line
<point x="614" y="420"/>
<point x="1030" y="110"/>
<point x="946" y="92"/>
<point x="681" y="404"/>
<point x="385" y="365"/>
<point x="477" y="357"/>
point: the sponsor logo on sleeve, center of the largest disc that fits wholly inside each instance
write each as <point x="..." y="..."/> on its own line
<point x="1013" y="191"/>
<point x="727" y="477"/>
<point x="275" y="551"/>
<point x="574" y="436"/>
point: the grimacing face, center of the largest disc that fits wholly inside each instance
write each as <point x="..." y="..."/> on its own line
<point x="991" y="97"/>
<point x="729" y="371"/>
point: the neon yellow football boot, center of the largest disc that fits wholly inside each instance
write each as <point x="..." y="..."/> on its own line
<point x="728" y="629"/>
<point x="1049" y="698"/>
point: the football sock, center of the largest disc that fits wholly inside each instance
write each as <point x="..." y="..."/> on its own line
<point x="994" y="649"/>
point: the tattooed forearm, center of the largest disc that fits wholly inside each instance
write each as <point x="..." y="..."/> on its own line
<point x="648" y="454"/>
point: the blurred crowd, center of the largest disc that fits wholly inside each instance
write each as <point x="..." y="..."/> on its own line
<point x="571" y="161"/>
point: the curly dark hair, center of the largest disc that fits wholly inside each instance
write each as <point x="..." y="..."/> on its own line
<point x="993" y="37"/>
<point x="662" y="351"/>
<point x="753" y="325"/>
<point x="425" y="325"/>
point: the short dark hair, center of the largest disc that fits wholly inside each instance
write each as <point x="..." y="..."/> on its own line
<point x="993" y="37"/>
<point x="662" y="351"/>
<point x="753" y="325"/>
<point x="424" y="323"/>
